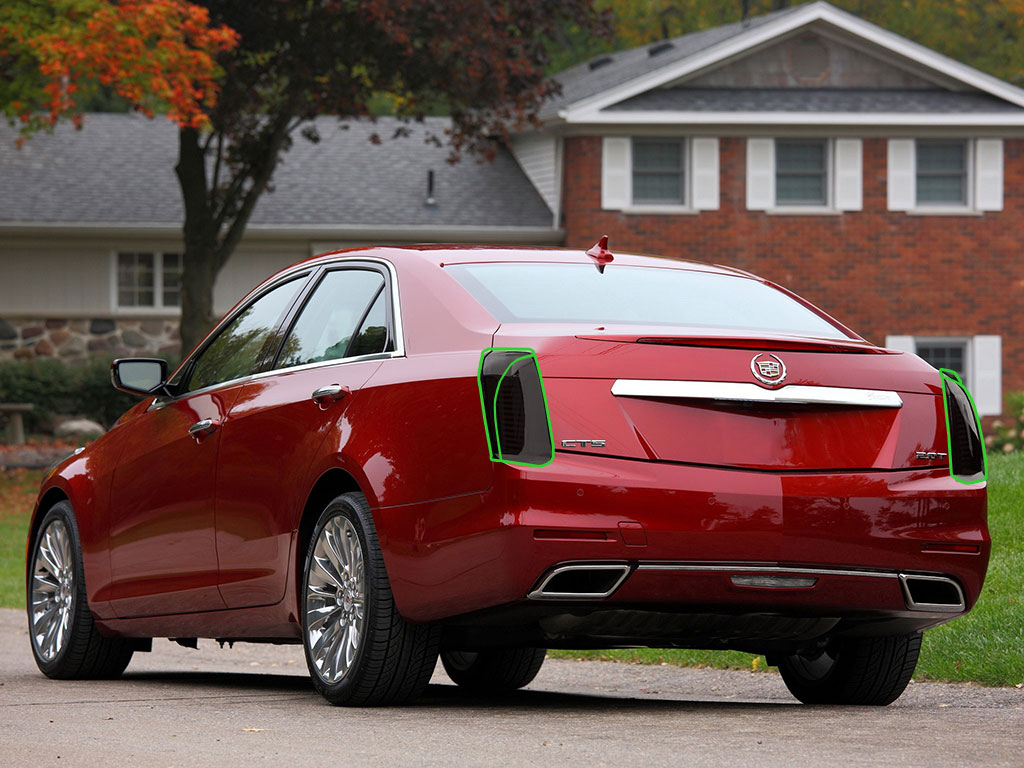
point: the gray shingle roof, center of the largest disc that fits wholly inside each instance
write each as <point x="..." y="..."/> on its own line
<point x="581" y="82"/>
<point x="120" y="168"/>
<point x="813" y="100"/>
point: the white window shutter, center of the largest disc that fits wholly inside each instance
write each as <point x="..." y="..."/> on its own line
<point x="849" y="175"/>
<point x="760" y="174"/>
<point x="988" y="174"/>
<point x="616" y="173"/>
<point x="986" y="382"/>
<point x="704" y="162"/>
<point x="901" y="172"/>
<point x="902" y="343"/>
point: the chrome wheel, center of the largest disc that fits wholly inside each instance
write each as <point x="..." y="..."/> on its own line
<point x="335" y="599"/>
<point x="53" y="590"/>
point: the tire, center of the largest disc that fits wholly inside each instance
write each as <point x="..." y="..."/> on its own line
<point x="865" y="670"/>
<point x="65" y="641"/>
<point x="494" y="670"/>
<point x="359" y="650"/>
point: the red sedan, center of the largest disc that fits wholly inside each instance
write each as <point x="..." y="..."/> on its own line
<point x="388" y="454"/>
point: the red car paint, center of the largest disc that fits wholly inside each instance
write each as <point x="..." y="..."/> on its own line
<point x="205" y="538"/>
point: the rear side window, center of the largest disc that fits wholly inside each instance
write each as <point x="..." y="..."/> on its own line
<point x="327" y="327"/>
<point x="240" y="345"/>
<point x="578" y="293"/>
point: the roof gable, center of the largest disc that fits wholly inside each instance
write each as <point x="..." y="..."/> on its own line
<point x="704" y="59"/>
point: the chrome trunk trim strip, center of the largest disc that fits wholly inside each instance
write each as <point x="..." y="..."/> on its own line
<point x="732" y="391"/>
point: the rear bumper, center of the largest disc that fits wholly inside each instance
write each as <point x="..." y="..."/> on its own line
<point x="682" y="534"/>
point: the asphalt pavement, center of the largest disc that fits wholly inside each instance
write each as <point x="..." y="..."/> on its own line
<point x="254" y="704"/>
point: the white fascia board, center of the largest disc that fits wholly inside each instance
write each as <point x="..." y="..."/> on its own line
<point x="801" y="17"/>
<point x="873" y="119"/>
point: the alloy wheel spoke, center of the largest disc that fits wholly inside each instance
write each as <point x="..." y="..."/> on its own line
<point x="335" y="599"/>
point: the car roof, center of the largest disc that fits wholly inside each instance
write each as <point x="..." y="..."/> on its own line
<point x="444" y="254"/>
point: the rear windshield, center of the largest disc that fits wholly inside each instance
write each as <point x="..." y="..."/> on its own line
<point x="578" y="293"/>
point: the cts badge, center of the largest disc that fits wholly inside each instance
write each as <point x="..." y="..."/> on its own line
<point x="583" y="443"/>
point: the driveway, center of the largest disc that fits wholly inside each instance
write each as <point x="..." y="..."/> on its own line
<point x="254" y="704"/>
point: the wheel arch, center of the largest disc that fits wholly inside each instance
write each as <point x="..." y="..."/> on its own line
<point x="50" y="498"/>
<point x="331" y="483"/>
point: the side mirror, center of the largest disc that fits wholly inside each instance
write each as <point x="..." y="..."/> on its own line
<point x="138" y="375"/>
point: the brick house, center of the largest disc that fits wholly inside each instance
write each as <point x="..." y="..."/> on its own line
<point x="877" y="178"/>
<point x="880" y="180"/>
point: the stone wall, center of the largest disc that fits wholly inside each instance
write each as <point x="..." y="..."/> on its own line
<point x="77" y="339"/>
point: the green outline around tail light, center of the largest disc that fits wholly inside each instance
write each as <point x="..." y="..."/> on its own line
<point x="946" y="373"/>
<point x="526" y="353"/>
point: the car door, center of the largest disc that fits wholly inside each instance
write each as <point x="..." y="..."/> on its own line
<point x="330" y="350"/>
<point x="162" y="525"/>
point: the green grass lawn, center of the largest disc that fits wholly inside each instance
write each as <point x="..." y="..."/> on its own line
<point x="984" y="647"/>
<point x="17" y="495"/>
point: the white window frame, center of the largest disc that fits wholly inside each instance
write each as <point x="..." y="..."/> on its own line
<point x="701" y="167"/>
<point x="158" y="307"/>
<point x="686" y="173"/>
<point x="969" y="161"/>
<point x="830" y="177"/>
<point x="983" y="366"/>
<point x="984" y="189"/>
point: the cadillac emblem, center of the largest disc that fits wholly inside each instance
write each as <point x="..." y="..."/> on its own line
<point x="768" y="371"/>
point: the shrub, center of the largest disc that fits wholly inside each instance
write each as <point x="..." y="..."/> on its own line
<point x="57" y="389"/>
<point x="1007" y="434"/>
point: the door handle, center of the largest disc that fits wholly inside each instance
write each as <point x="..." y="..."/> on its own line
<point x="203" y="428"/>
<point x="329" y="394"/>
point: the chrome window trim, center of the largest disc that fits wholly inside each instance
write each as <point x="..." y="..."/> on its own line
<point x="315" y="269"/>
<point x="731" y="391"/>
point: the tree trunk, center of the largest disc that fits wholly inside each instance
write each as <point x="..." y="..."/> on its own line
<point x="207" y="248"/>
<point x="199" y="261"/>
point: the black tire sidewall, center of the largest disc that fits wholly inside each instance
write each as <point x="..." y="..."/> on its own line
<point x="348" y="507"/>
<point x="61" y="511"/>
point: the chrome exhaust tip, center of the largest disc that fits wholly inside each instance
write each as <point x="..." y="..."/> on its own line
<point x="581" y="581"/>
<point x="932" y="593"/>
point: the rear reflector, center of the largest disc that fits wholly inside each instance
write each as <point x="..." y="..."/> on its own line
<point x="563" y="534"/>
<point x="773" y="582"/>
<point x="963" y="549"/>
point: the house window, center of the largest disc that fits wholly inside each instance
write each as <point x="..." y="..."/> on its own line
<point x="945" y="353"/>
<point x="945" y="177"/>
<point x="659" y="171"/>
<point x="801" y="172"/>
<point x="941" y="172"/>
<point x="148" y="280"/>
<point x="794" y="176"/>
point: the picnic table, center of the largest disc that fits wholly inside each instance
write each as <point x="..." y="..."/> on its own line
<point x="15" y="425"/>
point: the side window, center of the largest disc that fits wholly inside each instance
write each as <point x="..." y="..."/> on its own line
<point x="237" y="348"/>
<point x="373" y="335"/>
<point x="325" y="328"/>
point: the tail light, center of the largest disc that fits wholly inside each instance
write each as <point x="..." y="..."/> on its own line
<point x="963" y="431"/>
<point x="515" y="409"/>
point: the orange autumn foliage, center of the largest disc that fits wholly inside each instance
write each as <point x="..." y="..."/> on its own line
<point x="159" y="55"/>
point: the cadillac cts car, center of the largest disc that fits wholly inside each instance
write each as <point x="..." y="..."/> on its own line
<point x="391" y="454"/>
